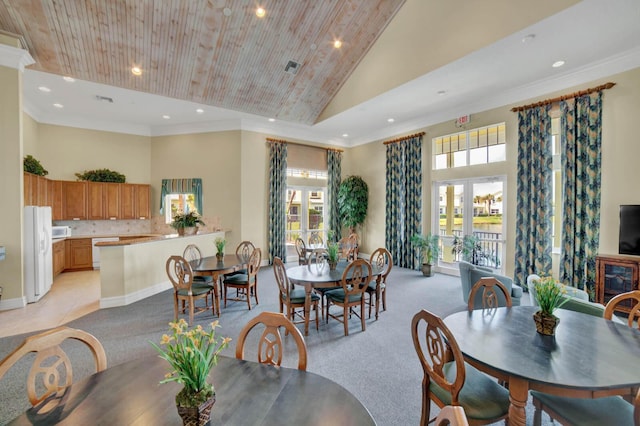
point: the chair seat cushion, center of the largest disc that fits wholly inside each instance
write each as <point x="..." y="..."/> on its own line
<point x="203" y="279"/>
<point x="612" y="410"/>
<point x="297" y="296"/>
<point x="195" y="291"/>
<point x="238" y="279"/>
<point x="338" y="295"/>
<point x="481" y="396"/>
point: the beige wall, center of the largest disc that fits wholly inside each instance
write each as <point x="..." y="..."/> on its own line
<point x="30" y="137"/>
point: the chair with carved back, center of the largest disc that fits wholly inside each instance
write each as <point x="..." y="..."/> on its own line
<point x="448" y="380"/>
<point x="491" y="292"/>
<point x="193" y="254"/>
<point x="301" y="249"/>
<point x="315" y="240"/>
<point x="246" y="284"/>
<point x="270" y="346"/>
<point x="451" y="416"/>
<point x="51" y="371"/>
<point x="381" y="259"/>
<point x="291" y="297"/>
<point x="609" y="410"/>
<point x="185" y="293"/>
<point x="351" y="294"/>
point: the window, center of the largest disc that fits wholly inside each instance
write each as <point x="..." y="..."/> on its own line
<point x="477" y="146"/>
<point x="180" y="195"/>
<point x="178" y="203"/>
<point x="307" y="174"/>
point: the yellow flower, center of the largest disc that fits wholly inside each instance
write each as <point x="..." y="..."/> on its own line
<point x="166" y="339"/>
<point x="168" y="375"/>
<point x="215" y="324"/>
<point x="225" y="341"/>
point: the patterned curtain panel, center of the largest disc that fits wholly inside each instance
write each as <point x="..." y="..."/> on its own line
<point x="277" y="200"/>
<point x="182" y="186"/>
<point x="334" y="172"/>
<point x="534" y="189"/>
<point x="403" y="200"/>
<point x="581" y="127"/>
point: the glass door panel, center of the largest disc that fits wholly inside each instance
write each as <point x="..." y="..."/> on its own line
<point x="487" y="224"/>
<point x="450" y="219"/>
<point x="305" y="211"/>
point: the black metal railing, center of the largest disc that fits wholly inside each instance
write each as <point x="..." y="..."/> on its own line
<point x="490" y="247"/>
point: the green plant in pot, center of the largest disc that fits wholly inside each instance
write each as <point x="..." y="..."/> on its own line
<point x="32" y="165"/>
<point x="429" y="248"/>
<point x="333" y="252"/>
<point x="353" y="200"/>
<point x="472" y="251"/>
<point x="220" y="244"/>
<point x="550" y="296"/>
<point x="187" y="223"/>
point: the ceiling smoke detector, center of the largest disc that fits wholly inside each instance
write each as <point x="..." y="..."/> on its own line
<point x="104" y="99"/>
<point x="292" y="67"/>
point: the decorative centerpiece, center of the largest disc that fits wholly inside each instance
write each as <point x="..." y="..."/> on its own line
<point x="192" y="354"/>
<point x="333" y="253"/>
<point x="220" y="243"/>
<point x="550" y="296"/>
<point x="187" y="223"/>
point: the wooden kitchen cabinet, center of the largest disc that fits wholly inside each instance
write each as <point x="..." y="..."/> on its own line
<point x="74" y="200"/>
<point x="143" y="201"/>
<point x="27" y="188"/>
<point x="78" y="254"/>
<point x="112" y="201"/>
<point x="616" y="274"/>
<point x="35" y="190"/>
<point x="59" y="254"/>
<point x="135" y="201"/>
<point x="56" y="200"/>
<point x="95" y="200"/>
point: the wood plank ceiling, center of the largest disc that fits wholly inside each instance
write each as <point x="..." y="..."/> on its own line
<point x="191" y="49"/>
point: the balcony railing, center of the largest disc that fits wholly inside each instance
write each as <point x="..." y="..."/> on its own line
<point x="491" y="246"/>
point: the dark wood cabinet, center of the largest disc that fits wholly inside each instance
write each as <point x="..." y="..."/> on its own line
<point x="616" y="274"/>
<point x="59" y="250"/>
<point x="74" y="200"/>
<point x="78" y="254"/>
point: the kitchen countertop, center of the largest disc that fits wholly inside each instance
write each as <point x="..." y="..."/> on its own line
<point x="126" y="240"/>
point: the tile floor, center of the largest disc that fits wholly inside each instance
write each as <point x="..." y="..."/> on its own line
<point x="72" y="295"/>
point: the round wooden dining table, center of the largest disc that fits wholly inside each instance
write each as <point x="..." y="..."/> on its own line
<point x="216" y="268"/>
<point x="589" y="357"/>
<point x="247" y="393"/>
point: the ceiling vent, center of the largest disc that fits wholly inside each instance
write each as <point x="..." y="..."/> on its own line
<point x="104" y="99"/>
<point x="292" y="67"/>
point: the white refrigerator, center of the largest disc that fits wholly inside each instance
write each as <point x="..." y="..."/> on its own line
<point x="38" y="256"/>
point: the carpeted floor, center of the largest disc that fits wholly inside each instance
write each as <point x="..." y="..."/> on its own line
<point x="379" y="366"/>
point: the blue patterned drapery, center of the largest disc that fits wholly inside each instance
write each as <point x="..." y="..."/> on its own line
<point x="182" y="186"/>
<point x="334" y="174"/>
<point x="403" y="199"/>
<point x="534" y="193"/>
<point x="277" y="200"/>
<point x="581" y="127"/>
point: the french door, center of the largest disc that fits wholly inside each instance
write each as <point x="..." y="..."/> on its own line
<point x="470" y="207"/>
<point x="306" y="209"/>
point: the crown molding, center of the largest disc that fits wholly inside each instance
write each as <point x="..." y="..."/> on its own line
<point x="12" y="57"/>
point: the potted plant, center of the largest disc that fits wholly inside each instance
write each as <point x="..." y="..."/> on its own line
<point x="472" y="251"/>
<point x="220" y="244"/>
<point x="32" y="165"/>
<point x="353" y="200"/>
<point x="429" y="247"/>
<point x="192" y="354"/>
<point x="549" y="296"/>
<point x="187" y="223"/>
<point x="333" y="253"/>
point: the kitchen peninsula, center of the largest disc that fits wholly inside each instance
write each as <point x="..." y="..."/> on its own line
<point x="133" y="269"/>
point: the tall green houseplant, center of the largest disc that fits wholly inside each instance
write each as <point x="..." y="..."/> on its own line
<point x="353" y="200"/>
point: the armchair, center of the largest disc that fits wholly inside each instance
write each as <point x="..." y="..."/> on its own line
<point x="470" y="274"/>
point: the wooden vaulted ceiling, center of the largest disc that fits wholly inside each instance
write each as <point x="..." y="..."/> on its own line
<point x="191" y="49"/>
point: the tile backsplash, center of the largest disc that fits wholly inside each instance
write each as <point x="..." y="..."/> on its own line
<point x="155" y="225"/>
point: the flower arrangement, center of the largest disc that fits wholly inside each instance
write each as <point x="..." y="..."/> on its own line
<point x="220" y="244"/>
<point x="192" y="353"/>
<point x="549" y="294"/>
<point x="186" y="220"/>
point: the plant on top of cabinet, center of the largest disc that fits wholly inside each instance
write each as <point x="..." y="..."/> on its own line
<point x="101" y="175"/>
<point x="32" y="165"/>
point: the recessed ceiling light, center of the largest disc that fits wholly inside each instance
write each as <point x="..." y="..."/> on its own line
<point x="58" y="105"/>
<point x="345" y="135"/>
<point x="528" y="38"/>
<point x="390" y="120"/>
<point x="313" y="46"/>
<point x="226" y="11"/>
<point x="441" y="92"/>
<point x="272" y="120"/>
<point x="260" y="12"/>
<point x="166" y="117"/>
<point x="136" y="71"/>
<point x="337" y="44"/>
<point x="558" y="64"/>
<point x="44" y="89"/>
<point x="199" y="110"/>
<point x="68" y="79"/>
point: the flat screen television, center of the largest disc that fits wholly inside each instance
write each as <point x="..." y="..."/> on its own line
<point x="629" y="242"/>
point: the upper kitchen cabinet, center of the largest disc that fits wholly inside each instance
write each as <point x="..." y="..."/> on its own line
<point x="74" y="200"/>
<point x="143" y="201"/>
<point x="56" y="200"/>
<point x="95" y="200"/>
<point x="35" y="190"/>
<point x="135" y="201"/>
<point x="112" y="201"/>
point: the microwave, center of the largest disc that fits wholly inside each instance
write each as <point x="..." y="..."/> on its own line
<point x="60" y="231"/>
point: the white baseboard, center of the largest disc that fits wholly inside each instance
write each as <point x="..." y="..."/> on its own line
<point x="18" y="302"/>
<point x="112" y="302"/>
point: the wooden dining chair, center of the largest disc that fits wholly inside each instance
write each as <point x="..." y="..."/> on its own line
<point x="449" y="380"/>
<point x="301" y="249"/>
<point x="192" y="253"/>
<point x="291" y="297"/>
<point x="451" y="416"/>
<point x="246" y="284"/>
<point x="185" y="293"/>
<point x="270" y="346"/>
<point x="631" y="301"/>
<point x="491" y="292"/>
<point x="381" y="258"/>
<point x="315" y="240"/>
<point x="51" y="371"/>
<point x="355" y="280"/>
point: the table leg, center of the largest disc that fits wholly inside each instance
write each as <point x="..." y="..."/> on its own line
<point x="518" y="393"/>
<point x="307" y="307"/>
<point x="216" y="293"/>
<point x="378" y="295"/>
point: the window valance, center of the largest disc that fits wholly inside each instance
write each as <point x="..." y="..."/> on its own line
<point x="182" y="186"/>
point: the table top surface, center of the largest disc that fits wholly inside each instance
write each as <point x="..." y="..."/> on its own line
<point x="587" y="352"/>
<point x="247" y="393"/>
<point x="320" y="273"/>
<point x="211" y="263"/>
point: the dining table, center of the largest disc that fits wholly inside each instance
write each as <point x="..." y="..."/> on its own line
<point x="216" y="268"/>
<point x="589" y="357"/>
<point x="319" y="275"/>
<point x="247" y="393"/>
